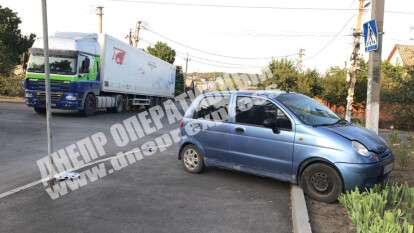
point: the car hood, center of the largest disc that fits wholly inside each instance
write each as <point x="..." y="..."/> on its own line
<point x="352" y="132"/>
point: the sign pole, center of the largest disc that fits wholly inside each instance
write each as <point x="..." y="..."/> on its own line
<point x="374" y="70"/>
<point x="47" y="90"/>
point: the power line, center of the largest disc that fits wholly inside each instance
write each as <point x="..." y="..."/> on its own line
<point x="292" y="35"/>
<point x="208" y="61"/>
<point x="215" y="54"/>
<point x="252" y="6"/>
<point x="235" y="6"/>
<point x="221" y="62"/>
<point x="216" y="65"/>
<point x="331" y="40"/>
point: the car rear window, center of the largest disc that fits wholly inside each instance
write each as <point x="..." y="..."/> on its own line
<point x="214" y="108"/>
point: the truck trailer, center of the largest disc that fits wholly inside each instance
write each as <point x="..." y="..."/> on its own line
<point x="90" y="72"/>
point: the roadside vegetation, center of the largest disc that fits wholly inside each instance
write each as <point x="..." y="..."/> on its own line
<point x="388" y="208"/>
<point x="382" y="209"/>
<point x="11" y="85"/>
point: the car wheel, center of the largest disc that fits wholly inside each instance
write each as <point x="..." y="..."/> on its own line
<point x="192" y="159"/>
<point x="40" y="111"/>
<point x="89" y="107"/>
<point x="321" y="182"/>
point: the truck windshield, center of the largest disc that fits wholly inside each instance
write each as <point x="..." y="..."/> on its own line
<point x="58" y="65"/>
<point x="308" y="110"/>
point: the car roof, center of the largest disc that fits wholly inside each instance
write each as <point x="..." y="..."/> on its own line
<point x="265" y="93"/>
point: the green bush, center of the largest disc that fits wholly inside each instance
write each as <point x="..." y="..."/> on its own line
<point x="11" y="86"/>
<point x="382" y="209"/>
<point x="403" y="151"/>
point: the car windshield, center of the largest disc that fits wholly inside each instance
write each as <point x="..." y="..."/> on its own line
<point x="58" y="65"/>
<point x="308" y="110"/>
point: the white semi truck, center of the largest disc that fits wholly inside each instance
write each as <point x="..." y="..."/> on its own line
<point x="91" y="71"/>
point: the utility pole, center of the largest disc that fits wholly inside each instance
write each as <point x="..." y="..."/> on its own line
<point x="300" y="61"/>
<point x="129" y="37"/>
<point x="47" y="90"/>
<point x="99" y="13"/>
<point x="186" y="66"/>
<point x="374" y="70"/>
<point x="185" y="72"/>
<point x="136" y="34"/>
<point x="354" y="62"/>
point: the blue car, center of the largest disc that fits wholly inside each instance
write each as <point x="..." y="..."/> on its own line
<point x="286" y="136"/>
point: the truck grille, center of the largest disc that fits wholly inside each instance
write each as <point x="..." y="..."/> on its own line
<point x="54" y="96"/>
<point x="55" y="85"/>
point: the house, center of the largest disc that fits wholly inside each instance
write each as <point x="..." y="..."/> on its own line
<point x="402" y="55"/>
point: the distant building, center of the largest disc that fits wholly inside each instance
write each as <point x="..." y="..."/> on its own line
<point x="402" y="55"/>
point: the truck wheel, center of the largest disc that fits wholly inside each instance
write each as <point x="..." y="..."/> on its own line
<point x="119" y="104"/>
<point x="89" y="107"/>
<point x="321" y="182"/>
<point x="40" y="111"/>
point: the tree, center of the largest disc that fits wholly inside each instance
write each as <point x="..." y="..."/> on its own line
<point x="397" y="89"/>
<point x="360" y="92"/>
<point x="334" y="86"/>
<point x="283" y="74"/>
<point x="162" y="51"/>
<point x="309" y="83"/>
<point x="13" y="45"/>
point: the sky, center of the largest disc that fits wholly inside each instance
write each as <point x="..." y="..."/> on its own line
<point x="227" y="39"/>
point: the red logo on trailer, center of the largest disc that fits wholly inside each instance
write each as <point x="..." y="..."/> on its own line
<point x="118" y="56"/>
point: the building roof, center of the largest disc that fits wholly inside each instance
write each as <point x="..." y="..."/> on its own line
<point x="406" y="52"/>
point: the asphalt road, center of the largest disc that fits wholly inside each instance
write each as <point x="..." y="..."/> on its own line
<point x="151" y="195"/>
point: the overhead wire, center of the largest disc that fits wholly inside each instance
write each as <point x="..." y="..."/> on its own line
<point x="212" y="53"/>
<point x="327" y="44"/>
<point x="252" y="6"/>
<point x="210" y="62"/>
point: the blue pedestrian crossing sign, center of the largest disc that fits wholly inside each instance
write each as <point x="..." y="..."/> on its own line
<point x="370" y="35"/>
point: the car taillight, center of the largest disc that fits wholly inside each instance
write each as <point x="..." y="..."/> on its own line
<point x="181" y="125"/>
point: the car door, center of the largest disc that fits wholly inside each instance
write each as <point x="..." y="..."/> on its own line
<point x="211" y="127"/>
<point x="262" y="137"/>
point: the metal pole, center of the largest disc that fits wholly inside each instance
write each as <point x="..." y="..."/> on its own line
<point x="186" y="66"/>
<point x="354" y="63"/>
<point x="374" y="70"/>
<point x="99" y="13"/>
<point x="47" y="90"/>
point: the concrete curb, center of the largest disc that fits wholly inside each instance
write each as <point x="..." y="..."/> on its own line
<point x="300" y="217"/>
<point x="11" y="100"/>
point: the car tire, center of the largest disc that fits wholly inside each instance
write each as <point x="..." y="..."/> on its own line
<point x="40" y="111"/>
<point x="193" y="160"/>
<point x="321" y="182"/>
<point x="89" y="106"/>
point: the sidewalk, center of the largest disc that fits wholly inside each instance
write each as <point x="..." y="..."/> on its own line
<point x="8" y="99"/>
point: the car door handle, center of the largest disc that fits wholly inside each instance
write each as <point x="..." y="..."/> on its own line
<point x="239" y="130"/>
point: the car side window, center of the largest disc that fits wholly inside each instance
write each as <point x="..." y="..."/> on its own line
<point x="84" y="63"/>
<point x="261" y="112"/>
<point x="214" y="108"/>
